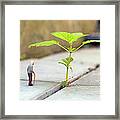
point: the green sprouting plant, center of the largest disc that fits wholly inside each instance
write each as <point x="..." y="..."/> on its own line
<point x="70" y="38"/>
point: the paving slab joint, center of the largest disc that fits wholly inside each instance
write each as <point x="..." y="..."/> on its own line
<point x="58" y="87"/>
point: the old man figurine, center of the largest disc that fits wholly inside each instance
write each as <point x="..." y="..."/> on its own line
<point x="30" y="72"/>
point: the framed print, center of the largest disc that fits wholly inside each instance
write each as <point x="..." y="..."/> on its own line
<point x="60" y="59"/>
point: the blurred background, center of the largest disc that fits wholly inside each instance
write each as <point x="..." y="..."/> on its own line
<point x="39" y="30"/>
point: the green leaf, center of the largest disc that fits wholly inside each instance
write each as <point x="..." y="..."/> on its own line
<point x="44" y="43"/>
<point x="76" y="36"/>
<point x="69" y="37"/>
<point x="62" y="35"/>
<point x="61" y="62"/>
<point x="69" y="59"/>
<point x="66" y="61"/>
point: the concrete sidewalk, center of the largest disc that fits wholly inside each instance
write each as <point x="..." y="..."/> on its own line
<point x="48" y="69"/>
<point x="86" y="88"/>
<point x="49" y="73"/>
<point x="30" y="92"/>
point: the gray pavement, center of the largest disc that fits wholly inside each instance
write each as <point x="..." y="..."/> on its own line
<point x="30" y="92"/>
<point x="48" y="69"/>
<point x="85" y="88"/>
<point x="92" y="79"/>
<point x="77" y="93"/>
<point x="49" y="73"/>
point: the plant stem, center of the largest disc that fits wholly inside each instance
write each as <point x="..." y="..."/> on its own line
<point x="67" y="74"/>
<point x="63" y="47"/>
<point x="79" y="47"/>
<point x="70" y="48"/>
<point x="67" y="71"/>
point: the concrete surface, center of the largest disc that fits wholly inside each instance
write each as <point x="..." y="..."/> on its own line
<point x="48" y="69"/>
<point x="92" y="79"/>
<point x="49" y="73"/>
<point x="29" y="92"/>
<point x="86" y="88"/>
<point x="77" y="93"/>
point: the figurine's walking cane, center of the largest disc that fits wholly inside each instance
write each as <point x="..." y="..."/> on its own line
<point x="34" y="79"/>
